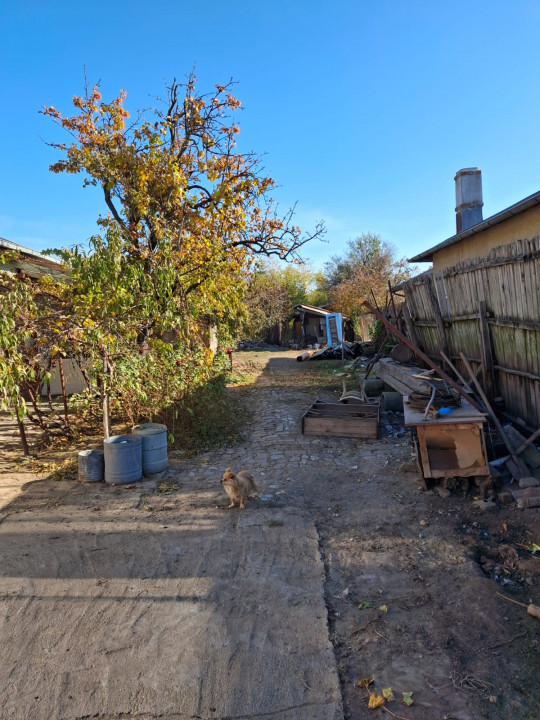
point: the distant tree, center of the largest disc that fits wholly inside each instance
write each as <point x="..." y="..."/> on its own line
<point x="367" y="266"/>
<point x="271" y="295"/>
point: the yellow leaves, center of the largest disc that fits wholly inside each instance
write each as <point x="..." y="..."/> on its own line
<point x="375" y="701"/>
<point x="378" y="699"/>
<point x="364" y="683"/>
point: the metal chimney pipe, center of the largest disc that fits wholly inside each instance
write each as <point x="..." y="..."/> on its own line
<point x="468" y="198"/>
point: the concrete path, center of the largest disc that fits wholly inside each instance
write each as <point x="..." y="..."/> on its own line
<point x="110" y="611"/>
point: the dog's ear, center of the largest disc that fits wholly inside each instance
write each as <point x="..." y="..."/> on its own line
<point x="228" y="470"/>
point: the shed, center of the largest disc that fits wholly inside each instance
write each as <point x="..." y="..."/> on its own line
<point x="313" y="324"/>
<point x="30" y="262"/>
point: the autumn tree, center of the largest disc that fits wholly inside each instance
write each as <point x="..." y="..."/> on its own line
<point x="186" y="215"/>
<point x="173" y="175"/>
<point x="367" y="267"/>
<point x="272" y="292"/>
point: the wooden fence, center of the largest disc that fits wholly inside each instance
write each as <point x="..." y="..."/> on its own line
<point x="488" y="309"/>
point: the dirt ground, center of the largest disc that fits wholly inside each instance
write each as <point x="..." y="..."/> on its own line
<point x="412" y="581"/>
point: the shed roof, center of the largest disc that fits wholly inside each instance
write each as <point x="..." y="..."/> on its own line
<point x="313" y="309"/>
<point x="33" y="263"/>
<point x="521" y="206"/>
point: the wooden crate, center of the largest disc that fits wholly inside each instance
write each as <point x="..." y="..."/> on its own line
<point x="357" y="420"/>
<point x="450" y="445"/>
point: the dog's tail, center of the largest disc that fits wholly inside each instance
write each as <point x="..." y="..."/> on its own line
<point x="255" y="487"/>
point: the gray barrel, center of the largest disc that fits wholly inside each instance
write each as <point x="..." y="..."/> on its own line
<point x="91" y="466"/>
<point x="392" y="401"/>
<point x="154" y="447"/>
<point x="373" y="387"/>
<point x="123" y="459"/>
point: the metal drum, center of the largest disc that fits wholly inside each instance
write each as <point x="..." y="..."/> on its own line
<point x="123" y="459"/>
<point x="154" y="447"/>
<point x="373" y="387"/>
<point x="91" y="466"/>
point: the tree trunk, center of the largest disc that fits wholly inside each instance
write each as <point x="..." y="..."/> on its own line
<point x="105" y="398"/>
<point x="22" y="433"/>
<point x="63" y="386"/>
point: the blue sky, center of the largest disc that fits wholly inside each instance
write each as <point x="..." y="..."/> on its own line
<point x="364" y="110"/>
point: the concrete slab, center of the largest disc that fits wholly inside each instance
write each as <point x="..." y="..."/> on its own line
<point x="216" y="615"/>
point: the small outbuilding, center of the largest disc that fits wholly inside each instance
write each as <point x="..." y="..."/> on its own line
<point x="316" y="325"/>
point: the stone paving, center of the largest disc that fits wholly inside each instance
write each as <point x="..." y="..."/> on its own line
<point x="275" y="450"/>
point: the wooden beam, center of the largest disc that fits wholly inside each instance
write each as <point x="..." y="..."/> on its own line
<point x="437" y="313"/>
<point x="487" y="352"/>
<point x="423" y="357"/>
<point x="522" y="469"/>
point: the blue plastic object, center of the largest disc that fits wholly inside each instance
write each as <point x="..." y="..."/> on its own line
<point x="445" y="411"/>
<point x="123" y="459"/>
<point x="154" y="447"/>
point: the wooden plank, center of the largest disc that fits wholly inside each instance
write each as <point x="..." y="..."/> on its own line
<point x="388" y="369"/>
<point x="341" y="427"/>
<point x="522" y="468"/>
<point x="437" y="313"/>
<point x="416" y="417"/>
<point x="341" y="420"/>
<point x="529" y="454"/>
<point x="422" y="355"/>
<point x="490" y="382"/>
<point x="411" y="331"/>
<point x="342" y="409"/>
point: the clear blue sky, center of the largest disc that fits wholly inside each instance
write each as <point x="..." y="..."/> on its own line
<point x="365" y="109"/>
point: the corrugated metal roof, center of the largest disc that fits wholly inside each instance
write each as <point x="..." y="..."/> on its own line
<point x="34" y="263"/>
<point x="528" y="202"/>
<point x="313" y="309"/>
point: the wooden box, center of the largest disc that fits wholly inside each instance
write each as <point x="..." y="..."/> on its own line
<point x="450" y="445"/>
<point x="357" y="420"/>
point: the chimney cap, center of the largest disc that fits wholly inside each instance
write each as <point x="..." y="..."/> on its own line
<point x="468" y="171"/>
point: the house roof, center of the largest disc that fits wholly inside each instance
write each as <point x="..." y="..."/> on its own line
<point x="313" y="309"/>
<point x="32" y="263"/>
<point x="528" y="202"/>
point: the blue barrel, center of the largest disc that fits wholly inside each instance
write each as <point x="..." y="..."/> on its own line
<point x="91" y="466"/>
<point x="123" y="459"/>
<point x="154" y="447"/>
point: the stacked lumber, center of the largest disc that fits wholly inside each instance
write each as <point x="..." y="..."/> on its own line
<point x="401" y="377"/>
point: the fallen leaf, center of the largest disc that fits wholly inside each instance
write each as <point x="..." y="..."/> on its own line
<point x="383" y="609"/>
<point x="424" y="522"/>
<point x="364" y="683"/>
<point x="505" y="527"/>
<point x="406" y="699"/>
<point x="364" y="605"/>
<point x="388" y="694"/>
<point x="375" y="701"/>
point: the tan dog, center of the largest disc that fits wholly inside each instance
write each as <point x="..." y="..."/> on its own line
<point x="238" y="486"/>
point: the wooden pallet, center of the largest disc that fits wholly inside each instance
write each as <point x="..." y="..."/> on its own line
<point x="355" y="420"/>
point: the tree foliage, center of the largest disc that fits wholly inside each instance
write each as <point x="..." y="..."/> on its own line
<point x="271" y="295"/>
<point x="367" y="267"/>
<point x="174" y="175"/>
<point x="185" y="217"/>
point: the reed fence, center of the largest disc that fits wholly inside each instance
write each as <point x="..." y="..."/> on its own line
<point x="488" y="309"/>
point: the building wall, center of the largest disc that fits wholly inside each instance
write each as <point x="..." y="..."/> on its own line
<point x="524" y="226"/>
<point x="75" y="382"/>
